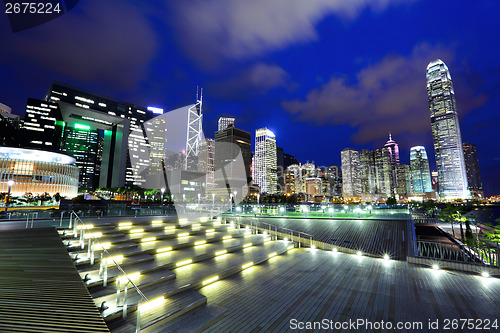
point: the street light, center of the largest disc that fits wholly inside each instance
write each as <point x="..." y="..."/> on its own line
<point x="10" y="183"/>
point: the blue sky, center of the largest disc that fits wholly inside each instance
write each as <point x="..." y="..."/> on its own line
<point x="322" y="74"/>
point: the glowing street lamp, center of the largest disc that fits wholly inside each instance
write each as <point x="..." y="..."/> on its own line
<point x="10" y="183"/>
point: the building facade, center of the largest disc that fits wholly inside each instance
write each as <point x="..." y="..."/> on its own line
<point x="419" y="169"/>
<point x="206" y="161"/>
<point x="225" y="122"/>
<point x="472" y="168"/>
<point x="265" y="161"/>
<point x="446" y="132"/>
<point x="37" y="171"/>
<point x="351" y="182"/>
<point x="119" y="124"/>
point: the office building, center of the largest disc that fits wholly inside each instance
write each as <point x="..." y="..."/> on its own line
<point x="403" y="180"/>
<point x="419" y="169"/>
<point x="43" y="125"/>
<point x="367" y="174"/>
<point x="229" y="143"/>
<point x="393" y="149"/>
<point x="383" y="172"/>
<point x="472" y="168"/>
<point x="194" y="134"/>
<point x="224" y="122"/>
<point x="118" y="124"/>
<point x="280" y="171"/>
<point x="9" y="128"/>
<point x="289" y="160"/>
<point x="351" y="183"/>
<point x="206" y="159"/>
<point x="265" y="161"/>
<point x="446" y="132"/>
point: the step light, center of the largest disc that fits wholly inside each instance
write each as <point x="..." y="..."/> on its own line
<point x="117" y="259"/>
<point x="247" y="234"/>
<point x="151" y="304"/>
<point x="247" y="245"/>
<point x="245" y="266"/>
<point x="209" y="231"/>
<point x="274" y="254"/>
<point x="196" y="225"/>
<point x="202" y="242"/>
<point x="219" y="253"/>
<point x="184" y="262"/>
<point x="93" y="235"/>
<point x="216" y="223"/>
<point x="170" y="228"/>
<point x="131" y="277"/>
<point x="85" y="226"/>
<point x="164" y="249"/>
<point x="183" y="220"/>
<point x="290" y="247"/>
<point x="230" y="229"/>
<point x="148" y="239"/>
<point x="136" y="231"/>
<point x="101" y="246"/>
<point x="183" y="234"/>
<point x="227" y="237"/>
<point x="213" y="279"/>
<point x="124" y="225"/>
<point x="267" y="240"/>
<point x="203" y="219"/>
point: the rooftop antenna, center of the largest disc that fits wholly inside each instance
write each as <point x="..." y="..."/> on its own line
<point x="197" y="92"/>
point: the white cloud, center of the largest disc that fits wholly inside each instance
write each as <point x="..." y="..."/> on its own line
<point x="388" y="96"/>
<point x="213" y="30"/>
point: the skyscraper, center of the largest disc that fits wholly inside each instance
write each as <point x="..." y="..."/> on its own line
<point x="446" y="132"/>
<point x="367" y="171"/>
<point x="229" y="142"/>
<point x="265" y="161"/>
<point x="224" y="123"/>
<point x="206" y="161"/>
<point x="194" y="133"/>
<point x="472" y="167"/>
<point x="393" y="148"/>
<point x="419" y="170"/>
<point x="383" y="172"/>
<point x="119" y="125"/>
<point x="351" y="184"/>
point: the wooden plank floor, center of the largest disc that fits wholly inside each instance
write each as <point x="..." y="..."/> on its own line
<point x="376" y="237"/>
<point x="313" y="285"/>
<point x="40" y="288"/>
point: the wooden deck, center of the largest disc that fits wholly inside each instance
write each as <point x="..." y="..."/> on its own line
<point x="313" y="285"/>
<point x="40" y="288"/>
<point x="373" y="236"/>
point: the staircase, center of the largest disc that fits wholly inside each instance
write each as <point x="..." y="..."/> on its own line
<point x="144" y="274"/>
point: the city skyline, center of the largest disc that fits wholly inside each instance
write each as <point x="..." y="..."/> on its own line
<point x="302" y="80"/>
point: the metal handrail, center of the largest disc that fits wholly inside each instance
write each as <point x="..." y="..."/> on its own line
<point x="94" y="239"/>
<point x="280" y="227"/>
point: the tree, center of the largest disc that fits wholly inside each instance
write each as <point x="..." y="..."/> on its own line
<point x="391" y="201"/>
<point x="57" y="197"/>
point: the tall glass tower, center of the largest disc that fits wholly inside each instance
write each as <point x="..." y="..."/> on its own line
<point x="265" y="161"/>
<point x="446" y="132"/>
<point x="419" y="170"/>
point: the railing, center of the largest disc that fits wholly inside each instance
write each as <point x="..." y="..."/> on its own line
<point x="302" y="238"/>
<point x="481" y="255"/>
<point x="79" y="231"/>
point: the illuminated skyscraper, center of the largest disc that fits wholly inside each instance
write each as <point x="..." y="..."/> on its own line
<point x="265" y="161"/>
<point x="224" y="123"/>
<point x="393" y="148"/>
<point x="419" y="169"/>
<point x="446" y="132"/>
<point x="351" y="183"/>
<point x="206" y="161"/>
<point x="472" y="167"/>
<point x="194" y="134"/>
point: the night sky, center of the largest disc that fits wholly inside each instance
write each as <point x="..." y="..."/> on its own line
<point x="322" y="75"/>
